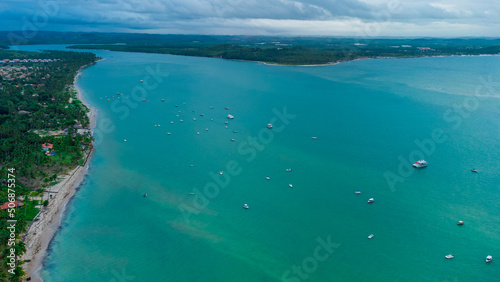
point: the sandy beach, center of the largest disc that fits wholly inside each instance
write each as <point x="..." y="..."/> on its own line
<point x="41" y="232"/>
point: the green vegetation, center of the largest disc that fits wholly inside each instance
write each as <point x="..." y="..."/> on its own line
<point x="36" y="109"/>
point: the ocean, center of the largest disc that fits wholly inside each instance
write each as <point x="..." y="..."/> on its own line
<point x="371" y="120"/>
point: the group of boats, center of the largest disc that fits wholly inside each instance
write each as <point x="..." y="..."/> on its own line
<point x="422" y="164"/>
<point x="489" y="258"/>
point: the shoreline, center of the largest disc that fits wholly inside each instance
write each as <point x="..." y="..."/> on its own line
<point x="41" y="233"/>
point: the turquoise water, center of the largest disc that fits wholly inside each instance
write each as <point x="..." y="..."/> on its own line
<point x="368" y="115"/>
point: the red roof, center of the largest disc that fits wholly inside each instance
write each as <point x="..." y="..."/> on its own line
<point x="47" y="145"/>
<point x="6" y="205"/>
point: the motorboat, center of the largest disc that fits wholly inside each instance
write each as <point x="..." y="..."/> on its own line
<point x="268" y="178"/>
<point x="270" y="126"/>
<point x="288" y="169"/>
<point x="230" y="116"/>
<point x="191" y="165"/>
<point x="194" y="118"/>
<point x="163" y="100"/>
<point x="226" y="108"/>
<point x="420" y="164"/>
<point x="370" y="236"/>
<point x="450" y="256"/>
<point x="314" y="138"/>
<point x="473" y="170"/>
<point x="460" y="223"/>
<point x="245" y="206"/>
<point x="124" y="140"/>
<point x="233" y="140"/>
<point x="221" y="172"/>
<point x="291" y="186"/>
<point x="168" y="133"/>
<point x="371" y="200"/>
<point x="489" y="258"/>
<point x="357" y="192"/>
<point x="191" y="193"/>
<point x="234" y="131"/>
<point x="145" y="195"/>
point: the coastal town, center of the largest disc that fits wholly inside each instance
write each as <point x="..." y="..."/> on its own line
<point x="45" y="140"/>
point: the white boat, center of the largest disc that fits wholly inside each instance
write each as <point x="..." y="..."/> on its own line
<point x="245" y="206"/>
<point x="269" y="126"/>
<point x="371" y="200"/>
<point x="230" y="116"/>
<point x="268" y="178"/>
<point x="221" y="172"/>
<point x="291" y="186"/>
<point x="168" y="133"/>
<point x="420" y="164"/>
<point x="357" y="192"/>
<point x="124" y="140"/>
<point x="233" y="140"/>
<point x="288" y="169"/>
<point x="489" y="258"/>
<point x="450" y="256"/>
<point x="314" y="138"/>
<point x="194" y="118"/>
<point x="370" y="236"/>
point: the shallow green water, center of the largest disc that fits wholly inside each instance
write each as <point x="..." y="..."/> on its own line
<point x="367" y="116"/>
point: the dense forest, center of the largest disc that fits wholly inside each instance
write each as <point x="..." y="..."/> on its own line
<point x="269" y="49"/>
<point x="37" y="108"/>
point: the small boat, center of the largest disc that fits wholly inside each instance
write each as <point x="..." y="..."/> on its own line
<point x="245" y="206"/>
<point x="124" y="140"/>
<point x="141" y="81"/>
<point x="270" y="126"/>
<point x="191" y="193"/>
<point x="268" y="178"/>
<point x="489" y="258"/>
<point x="288" y="169"/>
<point x="291" y="186"/>
<point x="198" y="133"/>
<point x="176" y="106"/>
<point x="201" y="115"/>
<point x="234" y="131"/>
<point x="420" y="164"/>
<point x="206" y="129"/>
<point x="230" y="116"/>
<point x="226" y="108"/>
<point x="221" y="172"/>
<point x="473" y="170"/>
<point x="163" y="100"/>
<point x="450" y="256"/>
<point x="371" y="200"/>
<point x="357" y="192"/>
<point x="171" y="122"/>
<point x="144" y="100"/>
<point x="460" y="223"/>
<point x="181" y="120"/>
<point x="145" y="195"/>
<point x="225" y="126"/>
<point x="156" y="125"/>
<point x="191" y="165"/>
<point x="211" y="107"/>
<point x="233" y="140"/>
<point x="168" y="133"/>
<point x="194" y="118"/>
<point x="193" y="111"/>
<point x="314" y="138"/>
<point x="370" y="236"/>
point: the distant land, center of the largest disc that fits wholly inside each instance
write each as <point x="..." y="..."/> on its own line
<point x="268" y="49"/>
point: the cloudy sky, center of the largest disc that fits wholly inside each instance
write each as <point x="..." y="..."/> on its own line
<point x="442" y="18"/>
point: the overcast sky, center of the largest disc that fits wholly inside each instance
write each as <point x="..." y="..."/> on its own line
<point x="439" y="18"/>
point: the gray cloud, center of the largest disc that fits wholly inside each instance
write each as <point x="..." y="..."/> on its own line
<point x="288" y="17"/>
